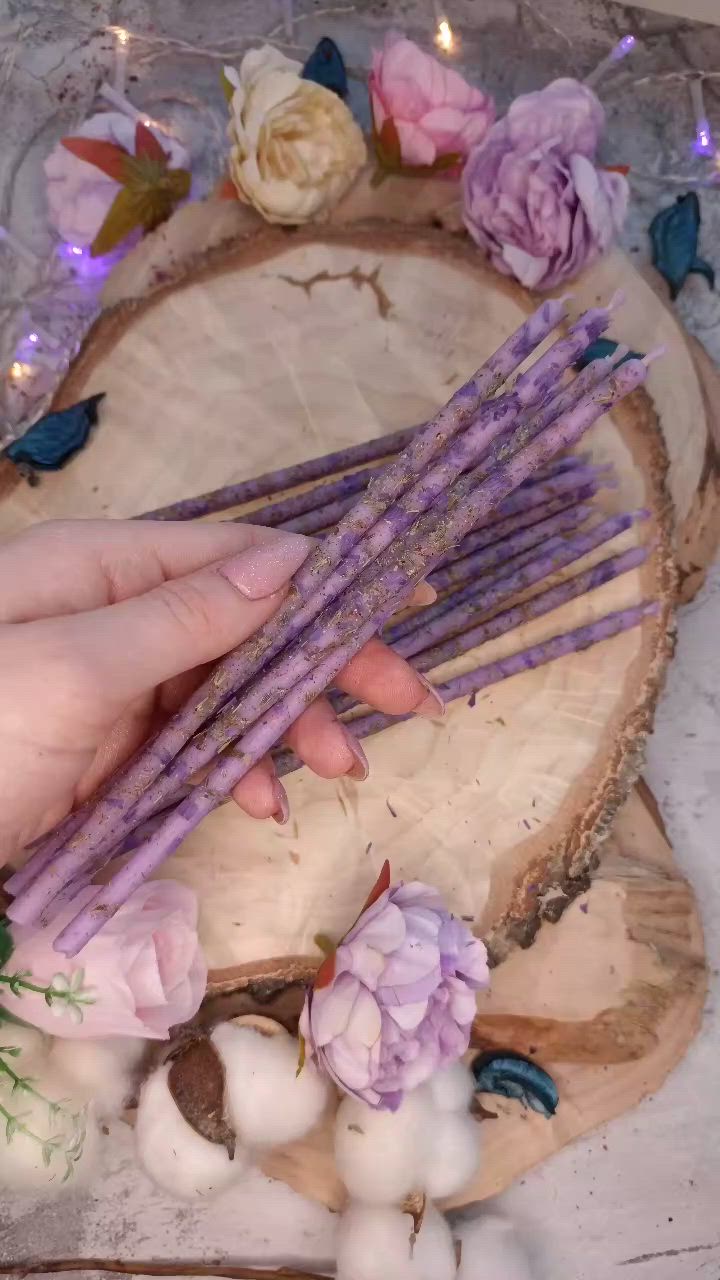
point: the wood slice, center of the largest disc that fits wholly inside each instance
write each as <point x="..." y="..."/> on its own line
<point x="286" y="346"/>
<point x="607" y="1000"/>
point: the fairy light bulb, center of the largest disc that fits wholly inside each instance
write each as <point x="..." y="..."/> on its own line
<point x="444" y="37"/>
<point x="703" y="144"/>
<point x="616" y="54"/>
<point x="19" y="370"/>
<point x="33" y="337"/>
<point x="122" y="38"/>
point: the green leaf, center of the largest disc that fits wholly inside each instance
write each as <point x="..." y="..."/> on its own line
<point x="228" y="87"/>
<point x="11" y="1050"/>
<point x="325" y="944"/>
<point x="146" y="144"/>
<point x="387" y="146"/>
<point x="178" y="181"/>
<point x="6" y="942"/>
<point x="109" y="157"/>
<point x="11" y="1125"/>
<point x="302" y="1052"/>
<point x="121" y="219"/>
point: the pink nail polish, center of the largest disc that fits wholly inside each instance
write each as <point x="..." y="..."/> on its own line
<point x="265" y="568"/>
<point x="432" y="704"/>
<point x="361" y="768"/>
<point x="282" y="812"/>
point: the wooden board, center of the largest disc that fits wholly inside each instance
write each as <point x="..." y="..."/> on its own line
<point x="287" y="346"/>
<point x="607" y="1000"/>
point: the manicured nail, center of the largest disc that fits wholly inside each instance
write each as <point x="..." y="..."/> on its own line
<point x="282" y="810"/>
<point x="264" y="569"/>
<point x="361" y="768"/>
<point x="432" y="704"/>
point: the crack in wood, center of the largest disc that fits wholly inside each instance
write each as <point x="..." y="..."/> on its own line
<point x="357" y="278"/>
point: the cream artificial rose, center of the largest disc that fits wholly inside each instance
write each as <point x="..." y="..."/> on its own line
<point x="295" y="146"/>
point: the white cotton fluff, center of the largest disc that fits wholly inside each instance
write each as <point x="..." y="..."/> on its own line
<point x="102" y="1070"/>
<point x="452" y="1153"/>
<point x="375" y="1244"/>
<point x="380" y="1154"/>
<point x="22" y="1165"/>
<point x="170" y="1151"/>
<point x="452" y="1088"/>
<point x="490" y="1249"/>
<point x="268" y="1102"/>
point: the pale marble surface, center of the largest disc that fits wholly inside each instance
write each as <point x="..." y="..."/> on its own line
<point x="644" y="1192"/>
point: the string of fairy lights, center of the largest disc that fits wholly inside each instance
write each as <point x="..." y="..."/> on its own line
<point x="74" y="280"/>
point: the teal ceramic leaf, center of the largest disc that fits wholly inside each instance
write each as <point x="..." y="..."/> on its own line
<point x="49" y="443"/>
<point x="509" y="1075"/>
<point x="674" y="238"/>
<point x="601" y="348"/>
<point x="326" y="66"/>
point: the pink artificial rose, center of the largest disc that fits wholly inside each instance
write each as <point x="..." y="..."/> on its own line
<point x="435" y="112"/>
<point x="141" y="975"/>
<point x="533" y="198"/>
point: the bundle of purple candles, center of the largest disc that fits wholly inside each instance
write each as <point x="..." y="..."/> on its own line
<point x="482" y="501"/>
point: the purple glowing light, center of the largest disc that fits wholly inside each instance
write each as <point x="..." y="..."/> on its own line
<point x="703" y="144"/>
<point x="623" y="47"/>
<point x="74" y="248"/>
<point x="33" y="337"/>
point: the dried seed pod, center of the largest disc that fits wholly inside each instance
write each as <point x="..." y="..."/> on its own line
<point x="196" y="1081"/>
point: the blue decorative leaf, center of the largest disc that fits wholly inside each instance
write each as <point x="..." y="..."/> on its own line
<point x="49" y="443"/>
<point x="511" y="1076"/>
<point x="600" y="349"/>
<point x="325" y="66"/>
<point x="674" y="238"/>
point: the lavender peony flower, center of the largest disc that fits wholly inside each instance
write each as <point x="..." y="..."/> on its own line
<point x="565" y="113"/>
<point x="532" y="197"/>
<point x="395" y="1002"/>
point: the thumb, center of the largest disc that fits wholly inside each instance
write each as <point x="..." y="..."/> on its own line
<point x="187" y="621"/>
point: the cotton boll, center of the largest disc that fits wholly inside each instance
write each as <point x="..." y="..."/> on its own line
<point x="375" y="1244"/>
<point x="101" y="1069"/>
<point x="380" y="1154"/>
<point x="452" y="1087"/>
<point x="491" y="1248"/>
<point x="268" y="1102"/>
<point x="173" y="1154"/>
<point x="22" y="1166"/>
<point x="452" y="1153"/>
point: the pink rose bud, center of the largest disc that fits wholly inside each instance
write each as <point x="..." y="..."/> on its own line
<point x="435" y="112"/>
<point x="141" y="975"/>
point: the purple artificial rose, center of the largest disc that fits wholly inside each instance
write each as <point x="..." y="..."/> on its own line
<point x="533" y="198"/>
<point x="395" y="1001"/>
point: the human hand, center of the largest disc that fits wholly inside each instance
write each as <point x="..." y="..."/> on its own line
<point x="105" y="627"/>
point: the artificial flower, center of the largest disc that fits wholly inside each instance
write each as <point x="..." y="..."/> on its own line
<point x="80" y="194"/>
<point x="141" y="975"/>
<point x="395" y="1001"/>
<point x="423" y="111"/>
<point x="533" y="197"/>
<point x="295" y="147"/>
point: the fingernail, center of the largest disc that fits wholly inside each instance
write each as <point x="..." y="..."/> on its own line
<point x="264" y="569"/>
<point x="361" y="768"/>
<point x="432" y="704"/>
<point x="282" y="811"/>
